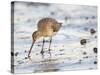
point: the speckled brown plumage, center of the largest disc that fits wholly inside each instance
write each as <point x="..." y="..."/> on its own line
<point x="46" y="27"/>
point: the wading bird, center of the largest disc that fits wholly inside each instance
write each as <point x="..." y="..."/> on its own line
<point x="46" y="27"/>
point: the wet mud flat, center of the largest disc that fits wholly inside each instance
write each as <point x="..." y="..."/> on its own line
<point x="73" y="48"/>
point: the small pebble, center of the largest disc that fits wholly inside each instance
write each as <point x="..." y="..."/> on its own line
<point x="52" y="13"/>
<point x="25" y="51"/>
<point x="26" y="58"/>
<point x="87" y="18"/>
<point x="84" y="53"/>
<point x="93" y="17"/>
<point x="86" y="57"/>
<point x="66" y="18"/>
<point x="95" y="50"/>
<point x="95" y="62"/>
<point x="95" y="36"/>
<point x="80" y="60"/>
<point x="16" y="54"/>
<point x="92" y="31"/>
<point x="83" y="41"/>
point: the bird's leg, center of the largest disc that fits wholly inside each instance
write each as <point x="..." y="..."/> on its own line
<point x="50" y="45"/>
<point x="42" y="52"/>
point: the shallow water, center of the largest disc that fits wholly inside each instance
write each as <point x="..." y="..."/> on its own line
<point x="66" y="51"/>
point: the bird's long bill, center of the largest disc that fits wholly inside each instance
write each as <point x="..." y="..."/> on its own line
<point x="31" y="48"/>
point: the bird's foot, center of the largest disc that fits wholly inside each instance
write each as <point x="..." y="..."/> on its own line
<point x="28" y="56"/>
<point x="42" y="52"/>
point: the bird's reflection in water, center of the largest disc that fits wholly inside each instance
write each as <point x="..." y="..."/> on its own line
<point x="49" y="52"/>
<point x="47" y="65"/>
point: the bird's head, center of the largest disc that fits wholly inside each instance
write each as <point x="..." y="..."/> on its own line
<point x="36" y="35"/>
<point x="60" y="24"/>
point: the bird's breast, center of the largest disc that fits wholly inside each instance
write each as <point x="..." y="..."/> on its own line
<point x="48" y="33"/>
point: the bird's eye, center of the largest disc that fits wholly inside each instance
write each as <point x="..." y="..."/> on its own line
<point x="60" y="24"/>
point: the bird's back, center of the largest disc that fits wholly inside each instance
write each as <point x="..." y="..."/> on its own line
<point x="48" y="23"/>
